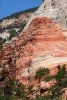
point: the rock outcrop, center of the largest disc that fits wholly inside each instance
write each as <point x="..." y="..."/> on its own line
<point x="43" y="43"/>
<point x="46" y="46"/>
<point x="54" y="9"/>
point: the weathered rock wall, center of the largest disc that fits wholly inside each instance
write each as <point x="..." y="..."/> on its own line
<point x="54" y="9"/>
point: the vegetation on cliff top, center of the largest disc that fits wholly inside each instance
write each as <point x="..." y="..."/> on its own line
<point x="17" y="14"/>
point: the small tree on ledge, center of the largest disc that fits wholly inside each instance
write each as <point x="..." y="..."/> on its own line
<point x="41" y="72"/>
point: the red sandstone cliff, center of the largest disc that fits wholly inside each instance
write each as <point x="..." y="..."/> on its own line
<point x="42" y="44"/>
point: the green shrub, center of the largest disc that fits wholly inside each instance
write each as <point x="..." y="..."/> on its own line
<point x="41" y="72"/>
<point x="12" y="33"/>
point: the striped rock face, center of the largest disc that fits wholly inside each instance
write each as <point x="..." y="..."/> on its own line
<point x="43" y="43"/>
<point x="46" y="46"/>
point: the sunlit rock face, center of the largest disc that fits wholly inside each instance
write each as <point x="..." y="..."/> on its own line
<point x="46" y="46"/>
<point x="54" y="9"/>
<point x="43" y="42"/>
